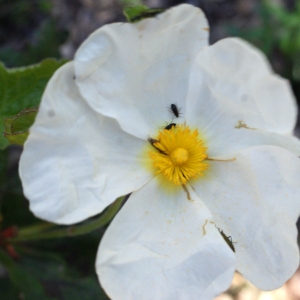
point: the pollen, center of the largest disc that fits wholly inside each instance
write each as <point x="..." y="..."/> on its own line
<point x="179" y="154"/>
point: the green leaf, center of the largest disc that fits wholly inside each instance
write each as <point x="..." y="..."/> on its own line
<point x="45" y="265"/>
<point x="22" y="88"/>
<point x="8" y="291"/>
<point x="60" y="278"/>
<point x="139" y="12"/>
<point x="131" y="12"/>
<point x="27" y="284"/>
<point x="47" y="31"/>
<point x="87" y="288"/>
<point x="17" y="127"/>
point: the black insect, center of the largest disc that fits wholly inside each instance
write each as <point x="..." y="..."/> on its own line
<point x="168" y="127"/>
<point x="152" y="142"/>
<point x="175" y="110"/>
<point x="227" y="239"/>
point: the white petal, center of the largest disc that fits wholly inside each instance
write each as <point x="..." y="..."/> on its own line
<point x="75" y="161"/>
<point x="233" y="78"/>
<point x="255" y="199"/>
<point x="225" y="135"/>
<point x="163" y="246"/>
<point x="136" y="71"/>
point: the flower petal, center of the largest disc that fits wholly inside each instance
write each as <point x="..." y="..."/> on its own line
<point x="237" y="102"/>
<point x="120" y="64"/>
<point x="255" y="199"/>
<point x="75" y="161"/>
<point x="239" y="82"/>
<point x="163" y="246"/>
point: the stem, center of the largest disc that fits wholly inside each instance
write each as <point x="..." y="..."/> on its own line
<point x="36" y="228"/>
<point x="69" y="231"/>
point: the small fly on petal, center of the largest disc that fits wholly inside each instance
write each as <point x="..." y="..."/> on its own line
<point x="175" y="110"/>
<point x="227" y="239"/>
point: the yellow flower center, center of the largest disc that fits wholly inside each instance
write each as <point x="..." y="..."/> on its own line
<point x="179" y="154"/>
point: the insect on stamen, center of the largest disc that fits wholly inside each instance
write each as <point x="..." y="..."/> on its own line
<point x="168" y="127"/>
<point x="180" y="154"/>
<point x="152" y="142"/>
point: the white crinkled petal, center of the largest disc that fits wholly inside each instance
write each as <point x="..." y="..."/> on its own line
<point x="164" y="246"/>
<point x="256" y="200"/>
<point x="136" y="71"/>
<point x="75" y="161"/>
<point x="224" y="134"/>
<point x="234" y="78"/>
<point x="227" y="105"/>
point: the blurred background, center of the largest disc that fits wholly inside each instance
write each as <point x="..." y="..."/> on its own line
<point x="31" y="30"/>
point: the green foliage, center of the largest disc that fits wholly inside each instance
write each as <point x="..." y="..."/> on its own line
<point x="38" y="260"/>
<point x="67" y="272"/>
<point x="17" y="127"/>
<point x="278" y="33"/>
<point x="288" y="24"/>
<point x="46" y="276"/>
<point x="28" y="285"/>
<point x="31" y="33"/>
<point x="137" y="13"/>
<point x="40" y="274"/>
<point x="131" y="12"/>
<point x="8" y="291"/>
<point x="37" y="50"/>
<point x="21" y="90"/>
<point x="83" y="289"/>
<point x="41" y="48"/>
<point x="262" y="36"/>
<point x="59" y="280"/>
<point x="42" y="232"/>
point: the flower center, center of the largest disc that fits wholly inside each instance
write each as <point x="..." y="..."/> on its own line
<point x="179" y="154"/>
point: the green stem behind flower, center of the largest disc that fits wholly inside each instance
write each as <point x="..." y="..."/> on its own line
<point x="37" y="232"/>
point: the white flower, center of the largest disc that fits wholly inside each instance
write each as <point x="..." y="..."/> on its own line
<point x="230" y="162"/>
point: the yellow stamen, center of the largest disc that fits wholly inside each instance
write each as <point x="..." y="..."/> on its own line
<point x="180" y="154"/>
